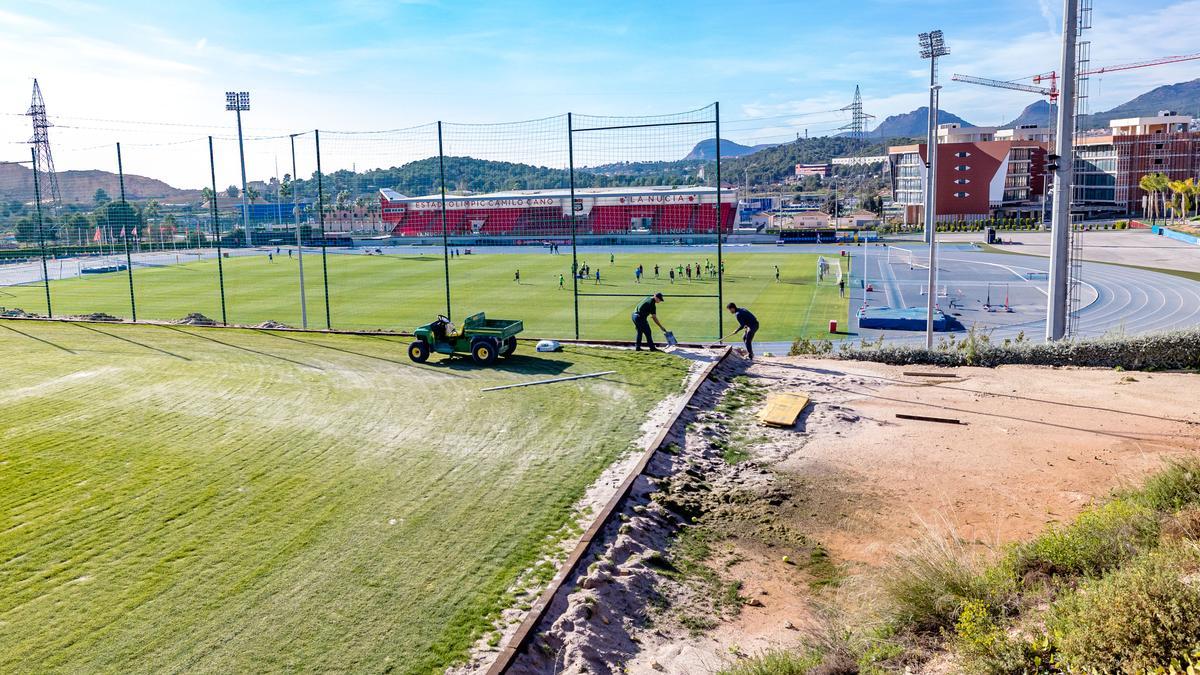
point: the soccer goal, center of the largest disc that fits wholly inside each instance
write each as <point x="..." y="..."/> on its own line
<point x="904" y="256"/>
<point x="829" y="271"/>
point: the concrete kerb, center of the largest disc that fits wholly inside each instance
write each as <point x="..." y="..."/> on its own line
<point x="332" y="331"/>
<point x="538" y="610"/>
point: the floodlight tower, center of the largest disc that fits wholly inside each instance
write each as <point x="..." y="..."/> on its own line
<point x="933" y="45"/>
<point x="239" y="101"/>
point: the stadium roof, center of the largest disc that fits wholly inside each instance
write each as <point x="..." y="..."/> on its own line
<point x="564" y="193"/>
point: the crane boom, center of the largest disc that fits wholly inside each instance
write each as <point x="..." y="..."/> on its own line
<point x="1044" y="91"/>
<point x="1052" y="90"/>
<point x="1144" y="64"/>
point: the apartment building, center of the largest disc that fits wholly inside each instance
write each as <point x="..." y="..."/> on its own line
<point x="1109" y="164"/>
<point x="979" y="176"/>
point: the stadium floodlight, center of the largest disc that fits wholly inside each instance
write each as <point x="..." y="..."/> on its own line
<point x="238" y="101"/>
<point x="933" y="45"/>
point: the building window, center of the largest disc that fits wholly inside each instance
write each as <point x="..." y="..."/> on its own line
<point x="961" y="195"/>
<point x="961" y="181"/>
<point x="1158" y="146"/>
<point x="1158" y="161"/>
<point x="962" y="167"/>
<point x="962" y="153"/>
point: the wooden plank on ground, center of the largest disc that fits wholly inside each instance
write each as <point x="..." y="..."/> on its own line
<point x="926" y="418"/>
<point x="782" y="409"/>
<point x="913" y="374"/>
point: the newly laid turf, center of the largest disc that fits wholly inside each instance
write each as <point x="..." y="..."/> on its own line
<point x="180" y="499"/>
<point x="402" y="292"/>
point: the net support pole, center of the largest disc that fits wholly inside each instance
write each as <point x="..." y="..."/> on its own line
<point x="1057" y="298"/>
<point x="299" y="239"/>
<point x="574" y="251"/>
<point x="720" y="257"/>
<point x="445" y="234"/>
<point x="37" y="196"/>
<point x="216" y="219"/>
<point x="321" y="220"/>
<point x="931" y="149"/>
<point x="124" y="232"/>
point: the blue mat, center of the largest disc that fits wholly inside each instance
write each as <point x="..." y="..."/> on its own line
<point x="912" y="318"/>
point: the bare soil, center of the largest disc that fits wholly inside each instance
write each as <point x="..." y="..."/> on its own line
<point x="851" y="482"/>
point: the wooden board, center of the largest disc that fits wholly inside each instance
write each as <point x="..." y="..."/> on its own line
<point x="783" y="409"/>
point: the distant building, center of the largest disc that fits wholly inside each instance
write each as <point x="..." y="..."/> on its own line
<point x="1008" y="166"/>
<point x="978" y="176"/>
<point x="1109" y="164"/>
<point x="799" y="220"/>
<point x="812" y="170"/>
<point x="859" y="161"/>
<point x="269" y="213"/>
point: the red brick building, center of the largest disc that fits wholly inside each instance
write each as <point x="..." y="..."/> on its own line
<point x="978" y="176"/>
<point x="1110" y="164"/>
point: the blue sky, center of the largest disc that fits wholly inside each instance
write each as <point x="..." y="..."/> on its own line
<point x="778" y="68"/>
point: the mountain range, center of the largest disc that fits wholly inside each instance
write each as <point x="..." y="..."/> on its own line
<point x="1183" y="98"/>
<point x="79" y="187"/>
<point x="707" y="149"/>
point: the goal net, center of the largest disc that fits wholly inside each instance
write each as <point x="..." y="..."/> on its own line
<point x="829" y="271"/>
<point x="904" y="256"/>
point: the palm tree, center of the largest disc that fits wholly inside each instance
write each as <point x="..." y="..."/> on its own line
<point x="1194" y="190"/>
<point x="1149" y="184"/>
<point x="1182" y="200"/>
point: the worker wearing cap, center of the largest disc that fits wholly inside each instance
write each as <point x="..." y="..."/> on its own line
<point x="746" y="322"/>
<point x="645" y="311"/>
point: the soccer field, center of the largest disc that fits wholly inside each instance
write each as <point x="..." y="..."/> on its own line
<point x="216" y="500"/>
<point x="401" y="292"/>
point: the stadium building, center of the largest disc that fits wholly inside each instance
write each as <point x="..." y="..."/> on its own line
<point x="645" y="211"/>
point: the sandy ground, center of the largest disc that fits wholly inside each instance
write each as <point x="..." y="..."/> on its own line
<point x="1034" y="447"/>
<point x="1127" y="247"/>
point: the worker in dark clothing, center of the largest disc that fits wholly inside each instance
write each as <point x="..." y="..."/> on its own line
<point x="645" y="311"/>
<point x="746" y="322"/>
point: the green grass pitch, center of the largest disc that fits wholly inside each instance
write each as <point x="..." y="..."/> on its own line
<point x="402" y="292"/>
<point x="223" y="500"/>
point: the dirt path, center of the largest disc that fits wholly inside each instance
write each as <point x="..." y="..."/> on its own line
<point x="1035" y="446"/>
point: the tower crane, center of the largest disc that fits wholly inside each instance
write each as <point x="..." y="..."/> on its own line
<point x="1051" y="92"/>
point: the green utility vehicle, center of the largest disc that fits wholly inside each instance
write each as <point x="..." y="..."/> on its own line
<point x="483" y="338"/>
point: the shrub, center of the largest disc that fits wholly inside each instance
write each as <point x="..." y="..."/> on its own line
<point x="1138" y="618"/>
<point x="1099" y="540"/>
<point x="1162" y="351"/>
<point x="1172" y="489"/>
<point x="775" y="663"/>
<point x="810" y="347"/>
<point x="985" y="646"/>
<point x="928" y="585"/>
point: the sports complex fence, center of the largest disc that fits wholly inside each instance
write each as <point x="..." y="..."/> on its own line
<point x="385" y="229"/>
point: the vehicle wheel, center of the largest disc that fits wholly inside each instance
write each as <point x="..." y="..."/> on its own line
<point x="510" y="346"/>
<point x="418" y="351"/>
<point x="484" y="352"/>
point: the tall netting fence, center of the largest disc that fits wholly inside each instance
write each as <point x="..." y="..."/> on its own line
<point x="565" y="222"/>
<point x="645" y="224"/>
<point x="508" y="225"/>
<point x="393" y="274"/>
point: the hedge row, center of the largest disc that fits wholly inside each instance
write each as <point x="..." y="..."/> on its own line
<point x="1156" y="351"/>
